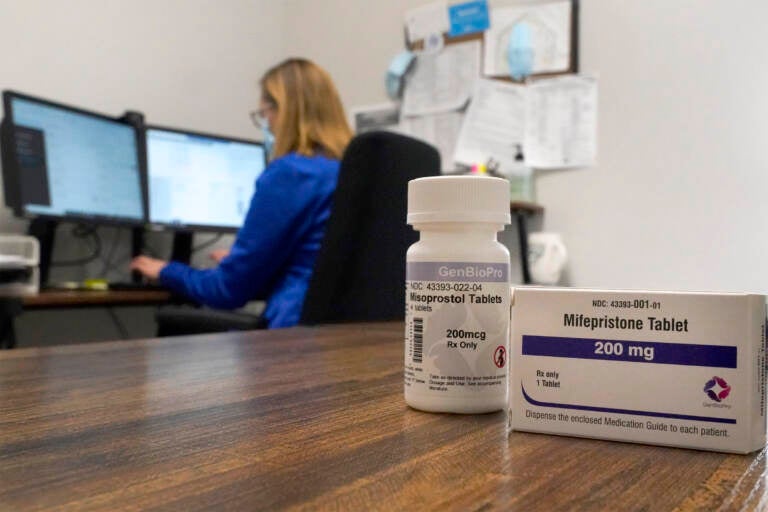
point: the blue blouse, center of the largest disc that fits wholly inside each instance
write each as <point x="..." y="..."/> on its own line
<point x="275" y="250"/>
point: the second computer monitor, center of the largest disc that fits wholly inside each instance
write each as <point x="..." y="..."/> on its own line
<point x="199" y="181"/>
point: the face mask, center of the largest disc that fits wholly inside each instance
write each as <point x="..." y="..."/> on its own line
<point x="395" y="77"/>
<point x="268" y="136"/>
<point x="520" y="51"/>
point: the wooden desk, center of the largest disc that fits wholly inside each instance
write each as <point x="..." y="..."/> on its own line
<point x="11" y="307"/>
<point x="305" y="419"/>
<point x="73" y="299"/>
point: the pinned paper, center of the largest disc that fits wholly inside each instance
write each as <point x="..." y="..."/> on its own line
<point x="469" y="18"/>
<point x="550" y="124"/>
<point x="441" y="130"/>
<point x="421" y="22"/>
<point x="520" y="51"/>
<point x="443" y="81"/>
<point x="562" y="131"/>
<point x="494" y="126"/>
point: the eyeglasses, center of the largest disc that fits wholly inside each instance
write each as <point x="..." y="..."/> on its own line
<point x="259" y="116"/>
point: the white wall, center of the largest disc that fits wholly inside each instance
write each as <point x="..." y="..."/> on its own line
<point x="676" y="200"/>
<point x="192" y="63"/>
<point x="353" y="39"/>
<point x="187" y="63"/>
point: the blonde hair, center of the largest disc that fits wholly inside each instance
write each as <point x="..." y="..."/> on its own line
<point x="310" y="117"/>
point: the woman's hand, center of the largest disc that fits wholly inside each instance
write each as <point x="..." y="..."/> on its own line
<point x="218" y="255"/>
<point x="149" y="267"/>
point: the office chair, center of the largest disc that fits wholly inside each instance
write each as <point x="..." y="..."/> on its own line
<point x="359" y="274"/>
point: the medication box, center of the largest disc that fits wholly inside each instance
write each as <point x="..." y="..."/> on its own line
<point x="675" y="369"/>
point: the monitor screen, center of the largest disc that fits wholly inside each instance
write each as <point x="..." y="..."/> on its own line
<point x="73" y="163"/>
<point x="200" y="181"/>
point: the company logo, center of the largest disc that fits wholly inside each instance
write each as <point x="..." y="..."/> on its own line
<point x="500" y="356"/>
<point x="717" y="389"/>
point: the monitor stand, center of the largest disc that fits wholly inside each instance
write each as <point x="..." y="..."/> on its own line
<point x="137" y="246"/>
<point x="182" y="247"/>
<point x="136" y="119"/>
<point x="45" y="232"/>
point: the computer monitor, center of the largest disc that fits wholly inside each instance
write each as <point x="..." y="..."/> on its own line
<point x="62" y="162"/>
<point x="198" y="181"/>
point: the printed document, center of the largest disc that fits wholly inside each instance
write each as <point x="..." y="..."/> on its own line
<point x="494" y="125"/>
<point x="561" y="127"/>
<point x="426" y="20"/>
<point x="443" y="81"/>
<point x="441" y="130"/>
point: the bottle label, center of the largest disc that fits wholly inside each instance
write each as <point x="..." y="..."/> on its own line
<point x="456" y="328"/>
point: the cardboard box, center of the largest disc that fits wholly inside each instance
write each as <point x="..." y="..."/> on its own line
<point x="667" y="368"/>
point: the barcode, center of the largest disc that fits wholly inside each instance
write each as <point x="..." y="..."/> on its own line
<point x="418" y="339"/>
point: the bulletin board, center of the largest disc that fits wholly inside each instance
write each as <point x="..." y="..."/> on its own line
<point x="546" y="120"/>
<point x="571" y="67"/>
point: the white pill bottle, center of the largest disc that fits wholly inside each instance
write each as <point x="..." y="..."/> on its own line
<point x="457" y="295"/>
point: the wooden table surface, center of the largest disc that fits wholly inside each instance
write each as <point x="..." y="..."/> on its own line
<point x="82" y="298"/>
<point x="305" y="419"/>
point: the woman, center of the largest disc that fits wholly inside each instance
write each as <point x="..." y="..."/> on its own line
<point x="275" y="250"/>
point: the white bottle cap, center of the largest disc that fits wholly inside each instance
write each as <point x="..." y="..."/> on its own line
<point x="458" y="199"/>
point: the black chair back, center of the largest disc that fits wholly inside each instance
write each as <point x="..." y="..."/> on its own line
<point x="360" y="270"/>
